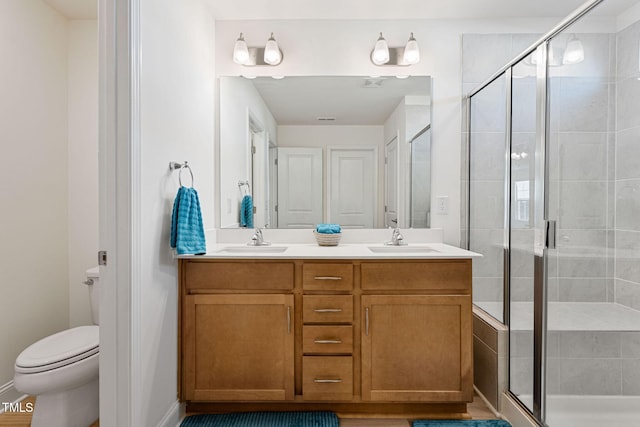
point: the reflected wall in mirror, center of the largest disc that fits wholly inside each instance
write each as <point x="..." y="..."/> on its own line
<point x="349" y="150"/>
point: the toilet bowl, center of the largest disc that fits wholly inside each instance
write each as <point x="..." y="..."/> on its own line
<point x="61" y="370"/>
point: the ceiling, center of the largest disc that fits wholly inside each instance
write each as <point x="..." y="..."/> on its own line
<point x="406" y="9"/>
<point x="374" y="9"/>
<point x="359" y="101"/>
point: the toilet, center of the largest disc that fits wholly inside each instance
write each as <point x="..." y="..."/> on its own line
<point x="61" y="371"/>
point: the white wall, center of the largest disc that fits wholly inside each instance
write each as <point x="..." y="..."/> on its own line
<point x="240" y="100"/>
<point x="33" y="177"/>
<point x="174" y="115"/>
<point x="82" y="157"/>
<point x="344" y="136"/>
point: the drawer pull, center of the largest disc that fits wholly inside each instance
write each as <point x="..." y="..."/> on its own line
<point x="328" y="278"/>
<point x="327" y="310"/>
<point x="327" y="381"/>
<point x="328" y="341"/>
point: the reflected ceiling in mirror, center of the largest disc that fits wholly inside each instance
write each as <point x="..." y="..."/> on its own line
<point x="313" y="149"/>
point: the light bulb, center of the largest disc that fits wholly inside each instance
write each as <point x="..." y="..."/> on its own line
<point x="272" y="55"/>
<point x="380" y="53"/>
<point x="411" y="51"/>
<point x="240" y="51"/>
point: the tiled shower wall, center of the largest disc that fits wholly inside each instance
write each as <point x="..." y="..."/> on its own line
<point x="627" y="174"/>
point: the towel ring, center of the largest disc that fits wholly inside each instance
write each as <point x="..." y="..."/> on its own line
<point x="185" y="166"/>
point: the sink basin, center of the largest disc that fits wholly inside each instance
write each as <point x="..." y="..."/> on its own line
<point x="401" y="249"/>
<point x="253" y="249"/>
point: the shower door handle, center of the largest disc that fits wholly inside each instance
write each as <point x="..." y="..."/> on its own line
<point x="550" y="233"/>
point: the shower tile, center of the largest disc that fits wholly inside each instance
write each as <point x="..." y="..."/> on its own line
<point x="628" y="256"/>
<point x="488" y="108"/>
<point x="520" y="42"/>
<point x="611" y="204"/>
<point x="589" y="345"/>
<point x="488" y="289"/>
<point x="627" y="51"/>
<point x="630" y="345"/>
<point x="631" y="377"/>
<point x="583" y="205"/>
<point x="581" y="105"/>
<point x="590" y="376"/>
<point x="628" y="205"/>
<point x="552" y="289"/>
<point x="521" y="344"/>
<point x="583" y="156"/>
<point x="628" y="153"/>
<point x="487" y="204"/>
<point x="483" y="54"/>
<point x="523" y="107"/>
<point x="521" y="375"/>
<point x="611" y="156"/>
<point x="628" y="294"/>
<point x="487" y="156"/>
<point x="489" y="243"/>
<point x="521" y="289"/>
<point x="597" y="61"/>
<point x="581" y="266"/>
<point x="628" y="101"/>
<point x="583" y="290"/>
<point x="582" y="241"/>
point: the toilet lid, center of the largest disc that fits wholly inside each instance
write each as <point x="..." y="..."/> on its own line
<point x="59" y="349"/>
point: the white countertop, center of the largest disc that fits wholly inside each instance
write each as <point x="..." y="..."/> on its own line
<point x="342" y="251"/>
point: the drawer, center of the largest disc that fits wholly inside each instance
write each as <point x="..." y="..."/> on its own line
<point x="332" y="339"/>
<point x="422" y="275"/>
<point x="241" y="275"/>
<point x="327" y="277"/>
<point x="327" y="308"/>
<point x="327" y="378"/>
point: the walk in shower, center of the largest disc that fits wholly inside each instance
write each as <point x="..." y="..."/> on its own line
<point x="554" y="206"/>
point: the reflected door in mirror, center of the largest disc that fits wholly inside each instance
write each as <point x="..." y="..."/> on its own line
<point x="299" y="187"/>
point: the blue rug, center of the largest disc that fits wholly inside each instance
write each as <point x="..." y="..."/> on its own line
<point x="461" y="423"/>
<point x="263" y="419"/>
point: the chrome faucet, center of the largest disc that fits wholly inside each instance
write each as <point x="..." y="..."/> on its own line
<point x="257" y="239"/>
<point x="397" y="239"/>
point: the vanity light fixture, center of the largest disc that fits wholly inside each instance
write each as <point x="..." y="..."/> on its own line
<point x="411" y="51"/>
<point x="574" y="52"/>
<point x="250" y="56"/>
<point x="240" y="51"/>
<point x="382" y="54"/>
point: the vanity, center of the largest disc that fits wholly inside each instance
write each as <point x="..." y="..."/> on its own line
<point x="359" y="329"/>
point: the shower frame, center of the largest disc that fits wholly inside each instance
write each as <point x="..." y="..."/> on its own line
<point x="544" y="227"/>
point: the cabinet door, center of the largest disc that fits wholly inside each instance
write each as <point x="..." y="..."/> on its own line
<point x="238" y="347"/>
<point x="417" y="348"/>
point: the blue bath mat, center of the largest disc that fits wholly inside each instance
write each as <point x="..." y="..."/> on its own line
<point x="263" y="419"/>
<point x="461" y="423"/>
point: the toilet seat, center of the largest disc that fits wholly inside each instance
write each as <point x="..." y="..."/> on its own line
<point x="58" y="350"/>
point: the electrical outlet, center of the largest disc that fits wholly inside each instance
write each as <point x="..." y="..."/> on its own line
<point x="442" y="205"/>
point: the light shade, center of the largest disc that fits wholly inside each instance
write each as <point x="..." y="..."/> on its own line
<point x="380" y="54"/>
<point x="272" y="54"/>
<point x="411" y="51"/>
<point x="240" y="51"/>
<point x="574" y="52"/>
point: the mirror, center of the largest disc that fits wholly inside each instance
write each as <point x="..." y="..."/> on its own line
<point x="298" y="151"/>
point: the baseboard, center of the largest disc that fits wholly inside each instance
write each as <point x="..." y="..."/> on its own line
<point x="172" y="417"/>
<point x="487" y="403"/>
<point x="8" y="394"/>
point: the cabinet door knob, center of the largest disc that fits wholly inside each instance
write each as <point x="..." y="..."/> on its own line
<point x="336" y="341"/>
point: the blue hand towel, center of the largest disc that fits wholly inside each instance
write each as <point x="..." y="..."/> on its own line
<point x="246" y="212"/>
<point x="328" y="228"/>
<point x="187" y="231"/>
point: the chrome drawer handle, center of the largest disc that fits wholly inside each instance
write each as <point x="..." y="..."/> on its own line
<point x="327" y="310"/>
<point x="328" y="278"/>
<point x="327" y="341"/>
<point x="317" y="380"/>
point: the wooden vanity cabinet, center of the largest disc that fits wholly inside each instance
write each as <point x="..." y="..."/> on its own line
<point x="237" y="346"/>
<point x="354" y="336"/>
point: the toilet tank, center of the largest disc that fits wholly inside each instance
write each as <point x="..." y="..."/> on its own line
<point x="93" y="283"/>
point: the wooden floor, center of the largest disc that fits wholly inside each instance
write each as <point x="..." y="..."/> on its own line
<point x="478" y="411"/>
<point x="23" y="419"/>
